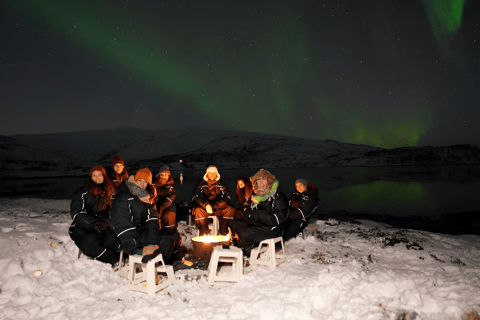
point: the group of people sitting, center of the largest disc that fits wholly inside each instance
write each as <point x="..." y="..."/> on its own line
<point x="114" y="211"/>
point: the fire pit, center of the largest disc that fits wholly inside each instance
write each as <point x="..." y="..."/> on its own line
<point x="203" y="246"/>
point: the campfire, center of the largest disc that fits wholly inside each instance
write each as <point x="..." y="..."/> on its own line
<point x="203" y="246"/>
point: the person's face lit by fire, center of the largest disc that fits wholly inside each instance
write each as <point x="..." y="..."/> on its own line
<point x="262" y="184"/>
<point x="97" y="177"/>
<point x="300" y="187"/>
<point x="141" y="183"/>
<point x="163" y="177"/>
<point x="211" y="175"/>
<point x="118" y="168"/>
<point x="240" y="184"/>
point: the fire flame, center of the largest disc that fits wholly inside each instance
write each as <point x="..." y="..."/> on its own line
<point x="210" y="239"/>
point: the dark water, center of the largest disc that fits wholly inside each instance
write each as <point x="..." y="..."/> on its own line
<point x="399" y="191"/>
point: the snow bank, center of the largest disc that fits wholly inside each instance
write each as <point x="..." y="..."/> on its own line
<point x="344" y="271"/>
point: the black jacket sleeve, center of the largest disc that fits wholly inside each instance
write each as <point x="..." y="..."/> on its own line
<point x="167" y="199"/>
<point x="79" y="208"/>
<point x="197" y="198"/>
<point x="122" y="223"/>
<point x="152" y="234"/>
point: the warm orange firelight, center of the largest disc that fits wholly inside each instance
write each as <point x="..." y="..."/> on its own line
<point x="210" y="239"/>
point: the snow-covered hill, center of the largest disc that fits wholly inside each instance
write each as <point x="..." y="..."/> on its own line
<point x="72" y="153"/>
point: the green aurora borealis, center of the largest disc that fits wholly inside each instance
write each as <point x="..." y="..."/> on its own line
<point x="271" y="73"/>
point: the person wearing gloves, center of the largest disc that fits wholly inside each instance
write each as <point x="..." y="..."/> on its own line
<point x="265" y="217"/>
<point x="135" y="220"/>
<point x="302" y="205"/>
<point x="211" y="197"/>
<point x="90" y="228"/>
<point x="117" y="171"/>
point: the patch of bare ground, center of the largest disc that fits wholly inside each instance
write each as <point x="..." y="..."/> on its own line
<point x="471" y="315"/>
<point x="389" y="238"/>
<point x="322" y="258"/>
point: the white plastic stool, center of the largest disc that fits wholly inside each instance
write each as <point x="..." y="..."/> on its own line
<point x="122" y="267"/>
<point x="147" y="274"/>
<point x="265" y="254"/>
<point x="232" y="255"/>
<point x="78" y="252"/>
<point x="215" y="225"/>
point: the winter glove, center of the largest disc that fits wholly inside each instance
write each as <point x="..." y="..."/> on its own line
<point x="208" y="208"/>
<point x="150" y="255"/>
<point x="148" y="250"/>
<point x="249" y="218"/>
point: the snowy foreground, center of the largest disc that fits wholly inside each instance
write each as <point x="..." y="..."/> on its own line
<point x="345" y="271"/>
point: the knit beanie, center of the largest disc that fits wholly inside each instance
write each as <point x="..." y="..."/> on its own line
<point x="166" y="169"/>
<point x="211" y="169"/>
<point x="144" y="174"/>
<point x="117" y="159"/>
<point x="98" y="168"/>
<point x="302" y="181"/>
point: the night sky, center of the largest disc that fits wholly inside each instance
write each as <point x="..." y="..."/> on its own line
<point x="384" y="73"/>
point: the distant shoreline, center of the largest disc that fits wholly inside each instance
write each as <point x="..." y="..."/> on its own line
<point x="451" y="223"/>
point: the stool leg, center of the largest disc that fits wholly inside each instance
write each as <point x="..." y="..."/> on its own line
<point x="215" y="225"/>
<point x="213" y="267"/>
<point x="170" y="274"/>
<point x="131" y="271"/>
<point x="272" y="256"/>
<point x="239" y="269"/>
<point x="151" y="278"/>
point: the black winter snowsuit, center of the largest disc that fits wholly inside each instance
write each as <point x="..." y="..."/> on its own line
<point x="83" y="210"/>
<point x="166" y="194"/>
<point x="262" y="221"/>
<point x="136" y="224"/>
<point x="301" y="207"/>
<point x="218" y="196"/>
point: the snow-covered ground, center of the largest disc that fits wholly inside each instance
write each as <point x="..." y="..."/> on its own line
<point x="345" y="271"/>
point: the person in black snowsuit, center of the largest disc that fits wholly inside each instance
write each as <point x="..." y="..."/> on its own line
<point x="211" y="197"/>
<point x="166" y="194"/>
<point x="265" y="218"/>
<point x="135" y="220"/>
<point x="302" y="205"/>
<point x="117" y="171"/>
<point x="91" y="227"/>
<point x="244" y="193"/>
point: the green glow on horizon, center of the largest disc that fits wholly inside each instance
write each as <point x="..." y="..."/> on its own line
<point x="384" y="194"/>
<point x="366" y="126"/>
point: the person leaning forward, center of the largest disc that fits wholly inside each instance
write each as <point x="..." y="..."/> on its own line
<point x="134" y="219"/>
<point x="211" y="197"/>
